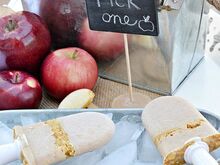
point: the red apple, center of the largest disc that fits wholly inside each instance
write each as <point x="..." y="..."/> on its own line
<point x="63" y="19"/>
<point x="67" y="70"/>
<point x="104" y="46"/>
<point x="19" y="90"/>
<point x="24" y="42"/>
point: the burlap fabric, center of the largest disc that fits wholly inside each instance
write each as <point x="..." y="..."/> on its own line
<point x="4" y="2"/>
<point x="105" y="91"/>
<point x="215" y="3"/>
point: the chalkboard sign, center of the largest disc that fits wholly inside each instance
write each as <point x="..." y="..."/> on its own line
<point x="124" y="16"/>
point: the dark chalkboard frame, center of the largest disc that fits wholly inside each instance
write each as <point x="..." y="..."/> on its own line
<point x="147" y="17"/>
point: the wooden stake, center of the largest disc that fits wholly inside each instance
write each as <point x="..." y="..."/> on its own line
<point x="128" y="66"/>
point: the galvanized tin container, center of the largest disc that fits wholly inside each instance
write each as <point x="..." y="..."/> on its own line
<point x="160" y="64"/>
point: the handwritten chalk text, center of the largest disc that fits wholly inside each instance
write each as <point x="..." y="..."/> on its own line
<point x="144" y="24"/>
<point x="129" y="4"/>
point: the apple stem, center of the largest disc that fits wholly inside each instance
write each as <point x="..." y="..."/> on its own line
<point x="11" y="25"/>
<point x="16" y="78"/>
<point x="74" y="54"/>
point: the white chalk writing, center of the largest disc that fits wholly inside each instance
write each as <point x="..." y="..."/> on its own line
<point x="116" y="2"/>
<point x="144" y="24"/>
<point x="146" y="21"/>
<point x="128" y="3"/>
<point x="106" y="17"/>
<point x="133" y="4"/>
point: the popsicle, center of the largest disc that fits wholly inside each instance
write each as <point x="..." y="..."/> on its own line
<point x="49" y="142"/>
<point x="177" y="129"/>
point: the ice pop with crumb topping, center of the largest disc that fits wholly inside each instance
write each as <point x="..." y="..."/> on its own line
<point x="49" y="142"/>
<point x="180" y="132"/>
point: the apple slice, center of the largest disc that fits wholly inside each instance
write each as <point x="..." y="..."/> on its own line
<point x="81" y="98"/>
<point x="4" y="11"/>
<point x="92" y="106"/>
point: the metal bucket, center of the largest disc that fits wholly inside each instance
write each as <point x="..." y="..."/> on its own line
<point x="160" y="64"/>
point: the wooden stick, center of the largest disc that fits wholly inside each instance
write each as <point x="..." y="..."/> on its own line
<point x="128" y="66"/>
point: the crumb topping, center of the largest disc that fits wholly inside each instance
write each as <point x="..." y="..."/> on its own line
<point x="62" y="139"/>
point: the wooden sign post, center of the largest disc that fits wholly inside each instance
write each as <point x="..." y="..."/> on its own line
<point x="124" y="16"/>
<point x="128" y="67"/>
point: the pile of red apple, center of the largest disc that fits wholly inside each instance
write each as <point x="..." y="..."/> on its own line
<point x="27" y="62"/>
<point x="69" y="26"/>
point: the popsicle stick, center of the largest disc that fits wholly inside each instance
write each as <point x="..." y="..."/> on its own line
<point x="128" y="66"/>
<point x="198" y="154"/>
<point x="10" y="152"/>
